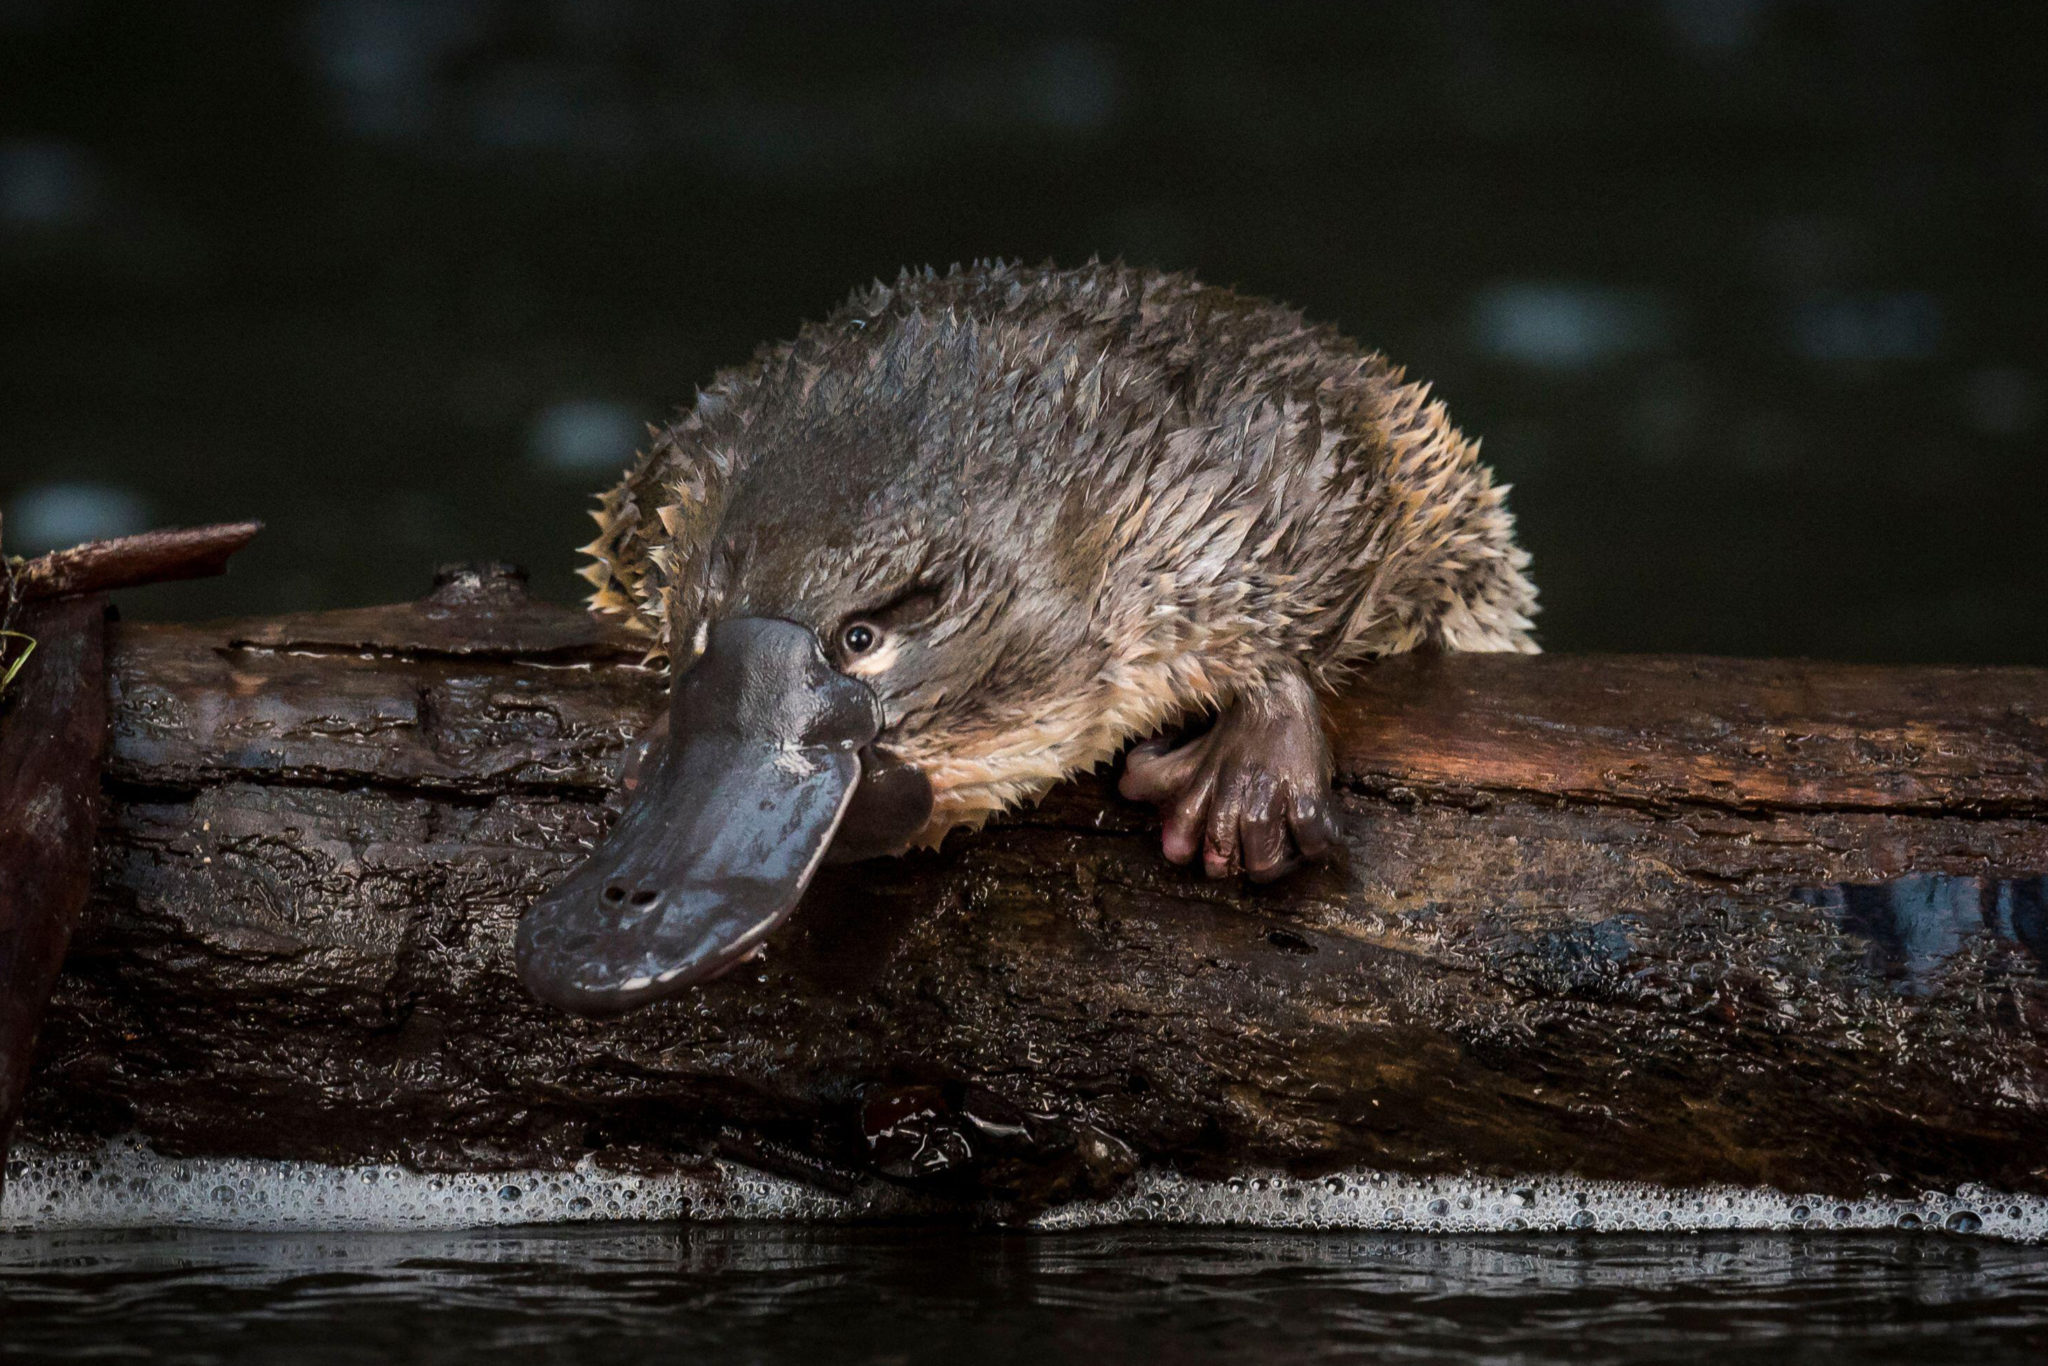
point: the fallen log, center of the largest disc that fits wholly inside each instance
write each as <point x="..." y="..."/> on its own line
<point x="1673" y="920"/>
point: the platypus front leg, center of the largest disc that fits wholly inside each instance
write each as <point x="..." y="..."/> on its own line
<point x="1252" y="793"/>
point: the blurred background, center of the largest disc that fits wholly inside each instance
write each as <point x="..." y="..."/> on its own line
<point x="1747" y="298"/>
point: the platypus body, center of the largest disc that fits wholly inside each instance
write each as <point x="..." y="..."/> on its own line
<point x="976" y="532"/>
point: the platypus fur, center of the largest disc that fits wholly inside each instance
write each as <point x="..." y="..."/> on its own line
<point x="978" y="531"/>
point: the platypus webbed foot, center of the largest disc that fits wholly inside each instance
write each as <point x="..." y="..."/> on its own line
<point x="1252" y="793"/>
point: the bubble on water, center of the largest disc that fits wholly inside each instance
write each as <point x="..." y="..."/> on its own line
<point x="1477" y="1205"/>
<point x="128" y="1186"/>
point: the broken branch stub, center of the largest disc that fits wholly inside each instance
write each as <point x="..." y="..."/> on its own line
<point x="130" y="561"/>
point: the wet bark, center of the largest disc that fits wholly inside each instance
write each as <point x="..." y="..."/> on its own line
<point x="1629" y="918"/>
<point x="53" y="729"/>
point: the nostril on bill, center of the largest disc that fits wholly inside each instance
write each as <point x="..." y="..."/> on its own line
<point x="615" y="894"/>
<point x="643" y="897"/>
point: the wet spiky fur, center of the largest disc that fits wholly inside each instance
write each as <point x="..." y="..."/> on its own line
<point x="1117" y="497"/>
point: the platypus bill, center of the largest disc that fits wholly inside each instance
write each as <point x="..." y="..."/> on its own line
<point x="976" y="532"/>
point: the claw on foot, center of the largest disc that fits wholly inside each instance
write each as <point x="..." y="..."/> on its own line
<point x="1250" y="795"/>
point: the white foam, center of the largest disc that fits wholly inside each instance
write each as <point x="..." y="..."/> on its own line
<point x="1381" y="1201"/>
<point x="126" y="1185"/>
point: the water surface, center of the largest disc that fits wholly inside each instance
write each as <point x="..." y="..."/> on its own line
<point x="781" y="1294"/>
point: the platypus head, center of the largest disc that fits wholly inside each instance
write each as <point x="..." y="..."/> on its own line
<point x="872" y="640"/>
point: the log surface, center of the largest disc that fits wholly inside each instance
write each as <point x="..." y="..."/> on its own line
<point x="1626" y="918"/>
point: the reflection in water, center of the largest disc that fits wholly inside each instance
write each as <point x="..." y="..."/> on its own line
<point x="1915" y="924"/>
<point x="43" y="517"/>
<point x="776" y="1295"/>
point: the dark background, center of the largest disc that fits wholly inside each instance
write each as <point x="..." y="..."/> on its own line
<point x="1746" y="297"/>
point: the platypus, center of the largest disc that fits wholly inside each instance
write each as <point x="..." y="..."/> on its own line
<point x="978" y="531"/>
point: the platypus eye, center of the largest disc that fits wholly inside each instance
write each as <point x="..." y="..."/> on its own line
<point x="886" y="623"/>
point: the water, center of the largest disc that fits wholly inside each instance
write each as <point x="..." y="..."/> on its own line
<point x="1745" y="296"/>
<point x="774" y="1294"/>
<point x="281" y="1260"/>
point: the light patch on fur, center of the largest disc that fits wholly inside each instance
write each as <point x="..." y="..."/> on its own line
<point x="979" y="775"/>
<point x="878" y="661"/>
